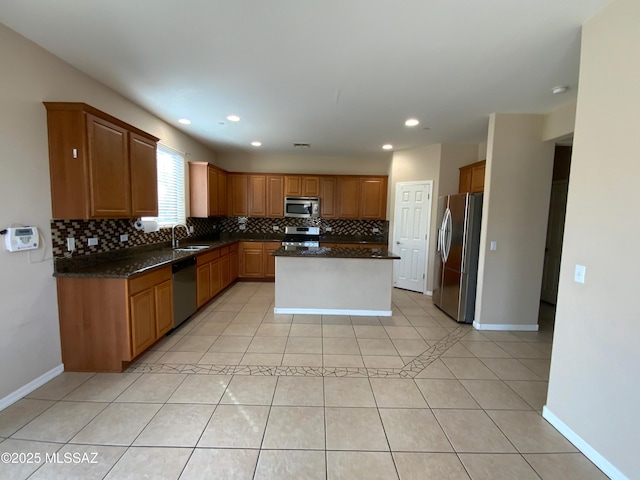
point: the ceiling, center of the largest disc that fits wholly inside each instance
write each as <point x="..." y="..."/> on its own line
<point x="342" y="75"/>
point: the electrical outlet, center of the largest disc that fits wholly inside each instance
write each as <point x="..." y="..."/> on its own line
<point x="242" y="226"/>
<point x="276" y="228"/>
<point x="71" y="244"/>
<point x="191" y="229"/>
<point x="375" y="230"/>
<point x="92" y="242"/>
<point x="124" y="237"/>
<point x="327" y="229"/>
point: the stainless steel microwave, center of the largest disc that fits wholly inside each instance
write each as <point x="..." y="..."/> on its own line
<point x="301" y="207"/>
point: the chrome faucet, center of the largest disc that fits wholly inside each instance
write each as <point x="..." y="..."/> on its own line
<point x="174" y="242"/>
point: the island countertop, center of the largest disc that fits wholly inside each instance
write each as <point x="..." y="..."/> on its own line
<point x="335" y="252"/>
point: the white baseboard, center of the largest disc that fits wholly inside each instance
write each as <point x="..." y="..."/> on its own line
<point x="25" y="390"/>
<point x="505" y="326"/>
<point x="332" y="311"/>
<point x="588" y="451"/>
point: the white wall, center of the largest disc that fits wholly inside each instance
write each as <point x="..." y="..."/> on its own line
<point x="560" y="122"/>
<point x="279" y="163"/>
<point x="515" y="211"/>
<point x="454" y="156"/>
<point x="594" y="388"/>
<point x="422" y="163"/>
<point x="29" y="333"/>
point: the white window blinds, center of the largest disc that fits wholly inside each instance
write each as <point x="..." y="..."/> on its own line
<point x="171" y="209"/>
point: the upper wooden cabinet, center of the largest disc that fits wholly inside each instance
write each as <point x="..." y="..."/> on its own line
<point x="373" y="198"/>
<point x="238" y="205"/>
<point x="257" y="195"/>
<point x="328" y="194"/>
<point x="301" y="186"/>
<point x="472" y="177"/>
<point x="207" y="190"/>
<point x="100" y="167"/>
<point x="348" y="197"/>
<point x="275" y="196"/>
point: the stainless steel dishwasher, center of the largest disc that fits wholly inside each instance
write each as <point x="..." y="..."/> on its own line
<point x="184" y="290"/>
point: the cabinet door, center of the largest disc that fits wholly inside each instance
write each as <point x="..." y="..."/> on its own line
<point x="477" y="178"/>
<point x="310" y="186"/>
<point x="109" y="175"/>
<point x="257" y="195"/>
<point x="215" y="278"/>
<point x="222" y="194"/>
<point x="275" y="196"/>
<point x="214" y="200"/>
<point x="251" y="260"/>
<point x="143" y="321"/>
<point x="269" y="260"/>
<point x="233" y="266"/>
<point x="225" y="272"/>
<point x="163" y="294"/>
<point x="373" y="198"/>
<point x="348" y="197"/>
<point x="464" y="184"/>
<point x="238" y="195"/>
<point x="202" y="284"/>
<point x="144" y="176"/>
<point x="292" y="186"/>
<point x="328" y="197"/>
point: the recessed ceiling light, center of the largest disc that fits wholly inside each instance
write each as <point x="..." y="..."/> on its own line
<point x="388" y="146"/>
<point x="184" y="121"/>
<point x="256" y="144"/>
<point x="412" y="122"/>
<point x="559" y="89"/>
<point x="233" y="118"/>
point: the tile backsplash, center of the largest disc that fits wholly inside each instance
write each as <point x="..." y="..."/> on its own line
<point x="108" y="231"/>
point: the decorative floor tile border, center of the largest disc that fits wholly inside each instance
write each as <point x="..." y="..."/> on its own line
<point x="410" y="370"/>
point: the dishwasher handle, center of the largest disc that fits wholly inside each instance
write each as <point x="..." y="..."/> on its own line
<point x="182" y="264"/>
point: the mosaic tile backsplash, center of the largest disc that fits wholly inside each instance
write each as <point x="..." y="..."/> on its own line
<point x="108" y="231"/>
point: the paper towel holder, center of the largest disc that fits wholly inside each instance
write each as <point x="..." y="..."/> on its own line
<point x="138" y="224"/>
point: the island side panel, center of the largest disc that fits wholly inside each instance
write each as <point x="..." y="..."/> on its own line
<point x="333" y="286"/>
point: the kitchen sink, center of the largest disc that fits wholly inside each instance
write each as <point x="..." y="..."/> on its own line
<point x="191" y="248"/>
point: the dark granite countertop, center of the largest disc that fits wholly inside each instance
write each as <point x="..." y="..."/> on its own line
<point x="353" y="239"/>
<point x="336" y="252"/>
<point x="125" y="265"/>
<point x="130" y="262"/>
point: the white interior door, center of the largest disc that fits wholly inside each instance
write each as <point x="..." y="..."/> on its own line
<point x="555" y="234"/>
<point x="410" y="234"/>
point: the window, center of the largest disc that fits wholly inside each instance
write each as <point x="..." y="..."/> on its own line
<point x="171" y="208"/>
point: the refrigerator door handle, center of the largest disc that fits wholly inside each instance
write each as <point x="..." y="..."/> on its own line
<point x="446" y="235"/>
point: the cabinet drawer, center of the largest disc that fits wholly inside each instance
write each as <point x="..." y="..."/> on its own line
<point x="148" y="280"/>
<point x="208" y="257"/>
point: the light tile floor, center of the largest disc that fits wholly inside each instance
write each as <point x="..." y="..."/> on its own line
<point x="412" y="396"/>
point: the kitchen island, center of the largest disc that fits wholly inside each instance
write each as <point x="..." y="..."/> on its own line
<point x="334" y="281"/>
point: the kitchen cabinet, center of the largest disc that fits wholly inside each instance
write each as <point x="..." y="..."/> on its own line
<point x="100" y="166"/>
<point x="269" y="261"/>
<point x="348" y="197"/>
<point x="233" y="262"/>
<point x="257" y="195"/>
<point x="301" y="186"/>
<point x="251" y="260"/>
<point x="238" y="195"/>
<point x="328" y="201"/>
<point x="275" y="196"/>
<point x="105" y="323"/>
<point x="373" y="198"/>
<point x="472" y="177"/>
<point x="207" y="276"/>
<point x="225" y="270"/>
<point x="150" y="308"/>
<point x="207" y="190"/>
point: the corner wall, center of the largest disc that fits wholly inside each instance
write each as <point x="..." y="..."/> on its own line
<point x="594" y="388"/>
<point x="514" y="214"/>
<point x="29" y="332"/>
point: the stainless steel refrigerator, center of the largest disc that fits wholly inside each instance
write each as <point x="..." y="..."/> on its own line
<point x="456" y="266"/>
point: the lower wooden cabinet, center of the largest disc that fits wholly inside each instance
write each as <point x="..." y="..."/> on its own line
<point x="233" y="263"/>
<point x="256" y="261"/>
<point x="107" y="322"/>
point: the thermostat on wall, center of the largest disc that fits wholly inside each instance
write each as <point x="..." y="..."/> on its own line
<point x="21" y="238"/>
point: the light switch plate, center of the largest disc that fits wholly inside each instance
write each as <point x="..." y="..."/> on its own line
<point x="494" y="245"/>
<point x="579" y="274"/>
<point x="92" y="241"/>
<point x="124" y="237"/>
<point x="71" y="244"/>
